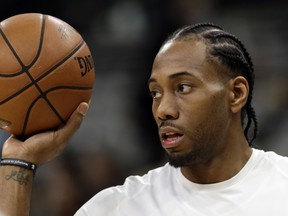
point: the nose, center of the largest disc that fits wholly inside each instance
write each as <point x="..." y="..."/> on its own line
<point x="167" y="109"/>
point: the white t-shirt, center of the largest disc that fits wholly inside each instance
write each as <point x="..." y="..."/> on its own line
<point x="260" y="188"/>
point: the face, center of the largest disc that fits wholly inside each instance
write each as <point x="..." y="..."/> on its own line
<point x="190" y="103"/>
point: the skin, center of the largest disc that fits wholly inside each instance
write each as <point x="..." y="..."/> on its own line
<point x="195" y="107"/>
<point x="200" y="110"/>
<point x="15" y="182"/>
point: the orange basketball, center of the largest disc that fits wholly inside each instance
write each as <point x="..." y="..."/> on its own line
<point x="46" y="70"/>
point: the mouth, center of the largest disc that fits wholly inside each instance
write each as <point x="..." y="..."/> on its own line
<point x="170" y="138"/>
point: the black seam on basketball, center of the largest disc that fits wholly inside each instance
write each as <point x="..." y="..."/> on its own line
<point x="40" y="43"/>
<point x="12" y="75"/>
<point x="31" y="107"/>
<point x="15" y="94"/>
<point x="25" y="69"/>
<point x="61" y="62"/>
<point x="14" y="53"/>
<point x="28" y="114"/>
<point x="39" y="97"/>
<point x="62" y="87"/>
<point x="69" y="87"/>
<point x="44" y="74"/>
<point x="48" y="72"/>
<point x="11" y="48"/>
<point x="42" y="94"/>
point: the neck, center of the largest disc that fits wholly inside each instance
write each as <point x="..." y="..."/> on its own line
<point x="221" y="167"/>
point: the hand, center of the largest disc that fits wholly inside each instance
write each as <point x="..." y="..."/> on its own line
<point x="43" y="147"/>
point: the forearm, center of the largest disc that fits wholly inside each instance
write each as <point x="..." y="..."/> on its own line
<point x="15" y="190"/>
<point x="16" y="182"/>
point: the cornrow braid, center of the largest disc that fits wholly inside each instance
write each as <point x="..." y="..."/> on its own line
<point x="229" y="51"/>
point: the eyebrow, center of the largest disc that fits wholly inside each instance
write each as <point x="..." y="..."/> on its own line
<point x="173" y="76"/>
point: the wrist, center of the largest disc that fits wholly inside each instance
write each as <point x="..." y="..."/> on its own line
<point x="18" y="163"/>
<point x="17" y="154"/>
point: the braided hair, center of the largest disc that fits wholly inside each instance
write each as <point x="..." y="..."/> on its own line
<point x="227" y="50"/>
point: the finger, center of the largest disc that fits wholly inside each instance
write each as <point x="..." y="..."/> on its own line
<point x="73" y="123"/>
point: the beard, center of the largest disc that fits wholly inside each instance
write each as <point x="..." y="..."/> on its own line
<point x="201" y="145"/>
<point x="198" y="153"/>
<point x="185" y="159"/>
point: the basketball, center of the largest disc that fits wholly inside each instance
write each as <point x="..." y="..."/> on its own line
<point x="46" y="70"/>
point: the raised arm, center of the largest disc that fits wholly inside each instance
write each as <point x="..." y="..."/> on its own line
<point x="16" y="181"/>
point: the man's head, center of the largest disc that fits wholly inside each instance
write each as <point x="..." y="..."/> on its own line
<point x="201" y="77"/>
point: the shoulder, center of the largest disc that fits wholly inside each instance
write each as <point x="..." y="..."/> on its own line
<point x="152" y="177"/>
<point x="134" y="187"/>
<point x="272" y="157"/>
<point x="273" y="161"/>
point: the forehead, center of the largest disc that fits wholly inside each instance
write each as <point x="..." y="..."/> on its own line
<point x="183" y="51"/>
<point x="180" y="56"/>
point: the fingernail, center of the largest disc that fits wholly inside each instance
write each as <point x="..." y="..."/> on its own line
<point x="83" y="108"/>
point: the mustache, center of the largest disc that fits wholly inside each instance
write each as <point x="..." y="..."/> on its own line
<point x="170" y="124"/>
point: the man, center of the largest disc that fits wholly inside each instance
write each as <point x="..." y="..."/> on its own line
<point x="201" y="83"/>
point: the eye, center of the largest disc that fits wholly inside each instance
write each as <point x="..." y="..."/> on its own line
<point x="184" y="88"/>
<point x="155" y="94"/>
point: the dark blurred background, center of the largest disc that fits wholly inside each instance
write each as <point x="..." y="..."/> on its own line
<point x="119" y="137"/>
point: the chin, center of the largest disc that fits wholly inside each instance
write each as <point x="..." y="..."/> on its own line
<point x="181" y="159"/>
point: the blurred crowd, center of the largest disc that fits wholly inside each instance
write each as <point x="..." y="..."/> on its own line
<point x="119" y="137"/>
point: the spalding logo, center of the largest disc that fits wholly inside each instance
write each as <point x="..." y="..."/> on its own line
<point x="85" y="63"/>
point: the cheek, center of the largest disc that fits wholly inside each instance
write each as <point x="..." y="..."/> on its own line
<point x="220" y="108"/>
<point x="219" y="120"/>
<point x="154" y="112"/>
<point x="207" y="118"/>
<point x="196" y="110"/>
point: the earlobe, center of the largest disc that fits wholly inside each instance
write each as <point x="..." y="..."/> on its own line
<point x="239" y="90"/>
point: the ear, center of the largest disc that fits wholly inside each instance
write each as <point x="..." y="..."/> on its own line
<point x="239" y="90"/>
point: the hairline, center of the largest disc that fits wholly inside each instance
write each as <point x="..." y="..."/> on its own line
<point x="222" y="70"/>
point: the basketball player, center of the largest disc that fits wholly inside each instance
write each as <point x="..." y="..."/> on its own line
<point x="202" y="85"/>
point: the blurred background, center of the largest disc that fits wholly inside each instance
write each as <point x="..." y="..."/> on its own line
<point x="119" y="137"/>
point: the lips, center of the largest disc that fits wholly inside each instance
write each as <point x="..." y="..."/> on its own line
<point x="170" y="137"/>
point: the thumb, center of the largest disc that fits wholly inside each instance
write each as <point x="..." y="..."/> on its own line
<point x="73" y="123"/>
<point x="64" y="134"/>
